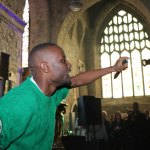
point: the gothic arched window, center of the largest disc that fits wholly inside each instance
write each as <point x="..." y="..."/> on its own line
<point x="125" y="35"/>
<point x="25" y="40"/>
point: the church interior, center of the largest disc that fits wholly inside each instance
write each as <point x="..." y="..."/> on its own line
<point x="93" y="34"/>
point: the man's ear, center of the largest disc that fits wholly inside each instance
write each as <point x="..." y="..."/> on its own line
<point x="44" y="67"/>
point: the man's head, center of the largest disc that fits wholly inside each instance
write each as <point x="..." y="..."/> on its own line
<point x="135" y="106"/>
<point x="48" y="61"/>
<point x="146" y="112"/>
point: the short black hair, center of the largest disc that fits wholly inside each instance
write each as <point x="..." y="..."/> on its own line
<point x="42" y="45"/>
<point x="38" y="48"/>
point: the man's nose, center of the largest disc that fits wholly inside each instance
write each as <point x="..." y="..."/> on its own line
<point x="69" y="64"/>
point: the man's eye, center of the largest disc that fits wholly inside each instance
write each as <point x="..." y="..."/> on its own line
<point x="64" y="61"/>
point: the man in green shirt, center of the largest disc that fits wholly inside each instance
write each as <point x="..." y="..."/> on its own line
<point x="27" y="112"/>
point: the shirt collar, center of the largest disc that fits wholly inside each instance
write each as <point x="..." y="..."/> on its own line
<point x="35" y="83"/>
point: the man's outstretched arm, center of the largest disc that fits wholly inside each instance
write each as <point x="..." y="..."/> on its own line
<point x="92" y="75"/>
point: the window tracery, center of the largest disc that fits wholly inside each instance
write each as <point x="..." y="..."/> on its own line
<point x="125" y="35"/>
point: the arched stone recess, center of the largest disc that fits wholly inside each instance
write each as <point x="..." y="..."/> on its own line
<point x="137" y="10"/>
<point x="71" y="38"/>
<point x="72" y="116"/>
<point x="74" y="38"/>
<point x="103" y="17"/>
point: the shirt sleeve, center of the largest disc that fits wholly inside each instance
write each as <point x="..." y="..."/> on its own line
<point x="14" y="118"/>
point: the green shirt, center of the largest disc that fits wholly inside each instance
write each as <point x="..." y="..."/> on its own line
<point x="27" y="117"/>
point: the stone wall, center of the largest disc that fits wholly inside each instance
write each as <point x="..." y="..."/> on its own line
<point x="11" y="29"/>
<point x="123" y="105"/>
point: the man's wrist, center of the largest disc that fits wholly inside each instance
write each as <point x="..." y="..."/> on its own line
<point x="113" y="68"/>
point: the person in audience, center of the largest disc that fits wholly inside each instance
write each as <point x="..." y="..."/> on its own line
<point x="80" y="130"/>
<point x="147" y="140"/>
<point x="106" y="122"/>
<point x="98" y="133"/>
<point x="136" y="126"/>
<point x="146" y="112"/>
<point x="118" y="132"/>
<point x="107" y="127"/>
<point x="59" y="125"/>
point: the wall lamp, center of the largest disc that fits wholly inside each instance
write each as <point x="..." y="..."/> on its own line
<point x="75" y="5"/>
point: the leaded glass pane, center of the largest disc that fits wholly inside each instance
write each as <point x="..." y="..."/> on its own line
<point x="135" y="26"/>
<point x="130" y="27"/>
<point x="148" y="43"/>
<point x="132" y="45"/>
<point x="119" y="20"/>
<point x="106" y="30"/>
<point x="125" y="20"/>
<point x="131" y="36"/>
<point x="116" y="47"/>
<point x="142" y="44"/>
<point x="146" y="70"/>
<point x="111" y="39"/>
<point x="136" y="34"/>
<point x="137" y="45"/>
<point x="115" y="20"/>
<point x="140" y="26"/>
<point x="110" y="23"/>
<point x="106" y="47"/>
<point x="146" y="35"/>
<point x="121" y="37"/>
<point x="102" y="40"/>
<point x="120" y="29"/>
<point x="134" y="19"/>
<point x="141" y="35"/>
<point x="125" y="28"/>
<point x="122" y="46"/>
<point x="102" y="49"/>
<point x="137" y="75"/>
<point x="127" y="46"/>
<point x="106" y="84"/>
<point x="116" y="38"/>
<point x="126" y="37"/>
<point x="115" y="29"/>
<point x="110" y="29"/>
<point x="117" y="87"/>
<point x="129" y="18"/>
<point x="121" y="12"/>
<point x="127" y="76"/>
<point x="112" y="47"/>
<point x="106" y="39"/>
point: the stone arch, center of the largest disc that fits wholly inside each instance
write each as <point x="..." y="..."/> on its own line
<point x="99" y="26"/>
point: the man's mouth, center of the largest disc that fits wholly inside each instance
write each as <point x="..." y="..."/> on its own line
<point x="69" y="73"/>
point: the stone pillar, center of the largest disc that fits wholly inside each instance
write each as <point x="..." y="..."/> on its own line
<point x="11" y="30"/>
<point x="39" y="22"/>
<point x="46" y="18"/>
